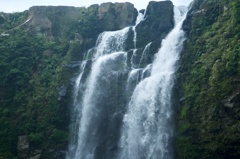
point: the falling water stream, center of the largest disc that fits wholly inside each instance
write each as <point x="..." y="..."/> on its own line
<point x="147" y="130"/>
<point x="107" y="58"/>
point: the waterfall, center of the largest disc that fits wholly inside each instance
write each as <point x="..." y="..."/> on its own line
<point x="140" y="18"/>
<point x="123" y="112"/>
<point x="77" y="83"/>
<point x="108" y="60"/>
<point x="91" y="113"/>
<point x="111" y="41"/>
<point x="147" y="128"/>
<point x="145" y="51"/>
<point x="76" y="108"/>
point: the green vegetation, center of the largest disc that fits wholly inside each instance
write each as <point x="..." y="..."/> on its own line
<point x="31" y="71"/>
<point x="88" y="24"/>
<point x="210" y="72"/>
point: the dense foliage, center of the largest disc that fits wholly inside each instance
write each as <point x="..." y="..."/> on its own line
<point x="210" y="73"/>
<point x="31" y="70"/>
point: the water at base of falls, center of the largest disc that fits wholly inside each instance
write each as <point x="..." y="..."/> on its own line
<point x="100" y="126"/>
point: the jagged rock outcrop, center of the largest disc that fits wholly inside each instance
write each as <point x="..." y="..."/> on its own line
<point x="23" y="146"/>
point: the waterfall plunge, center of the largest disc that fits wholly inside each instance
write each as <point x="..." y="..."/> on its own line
<point x="147" y="129"/>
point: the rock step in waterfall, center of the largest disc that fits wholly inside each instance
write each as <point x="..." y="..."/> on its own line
<point x="100" y="129"/>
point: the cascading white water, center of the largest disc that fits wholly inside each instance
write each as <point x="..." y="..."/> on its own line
<point x="108" y="57"/>
<point x="111" y="41"/>
<point x="147" y="129"/>
<point x="76" y="107"/>
<point x="91" y="112"/>
<point x="77" y="83"/>
<point x="140" y="17"/>
<point x="133" y="79"/>
<point x="145" y="51"/>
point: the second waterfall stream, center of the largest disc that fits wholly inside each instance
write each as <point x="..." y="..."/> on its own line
<point x="121" y="111"/>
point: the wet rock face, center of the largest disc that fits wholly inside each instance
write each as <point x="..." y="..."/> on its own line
<point x="23" y="143"/>
<point x="117" y="16"/>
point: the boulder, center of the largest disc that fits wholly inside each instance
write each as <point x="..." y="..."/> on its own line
<point x="23" y="143"/>
<point x="62" y="92"/>
<point x="23" y="146"/>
